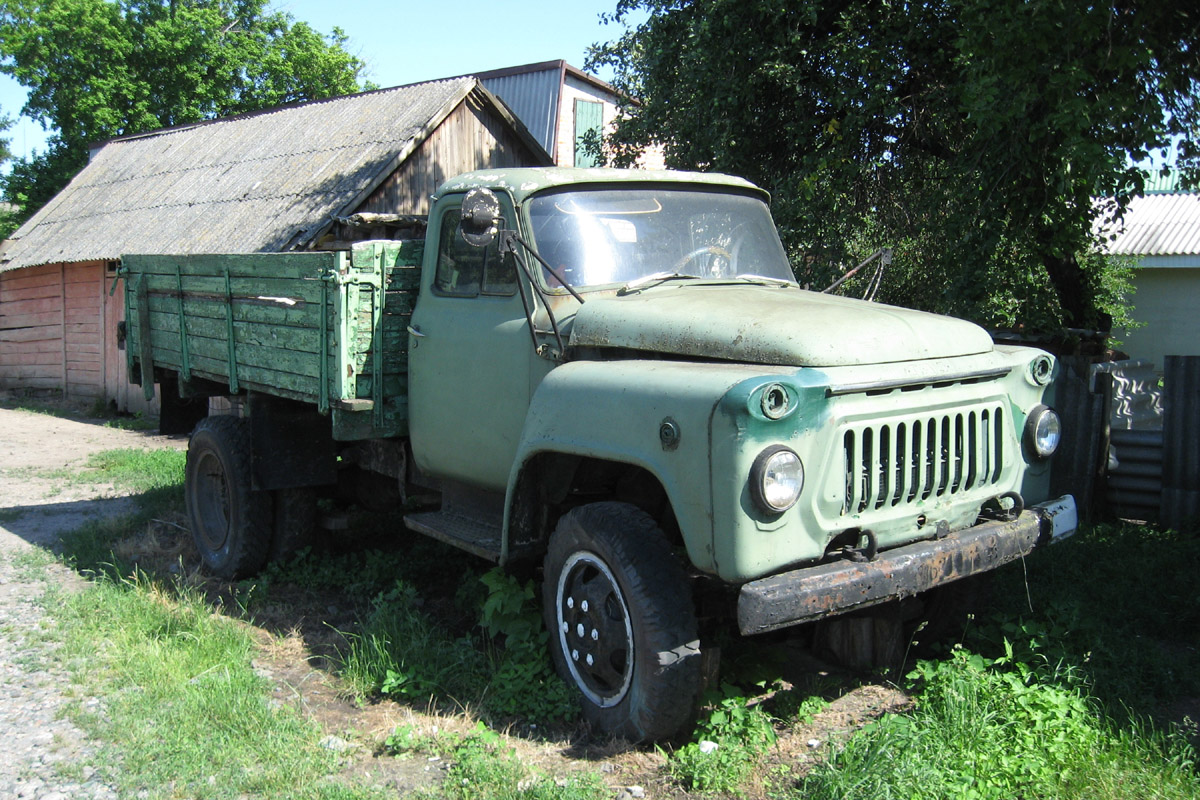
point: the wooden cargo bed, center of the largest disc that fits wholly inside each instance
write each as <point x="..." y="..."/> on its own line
<point x="327" y="328"/>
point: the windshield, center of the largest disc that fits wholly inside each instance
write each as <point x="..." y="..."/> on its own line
<point x="609" y="236"/>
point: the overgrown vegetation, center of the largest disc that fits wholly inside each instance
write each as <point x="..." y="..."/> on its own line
<point x="972" y="136"/>
<point x="1001" y="728"/>
<point x="1063" y="691"/>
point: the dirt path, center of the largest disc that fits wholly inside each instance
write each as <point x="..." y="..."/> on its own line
<point x="34" y="511"/>
<point x="36" y="508"/>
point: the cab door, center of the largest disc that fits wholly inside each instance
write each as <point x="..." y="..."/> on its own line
<point x="470" y="356"/>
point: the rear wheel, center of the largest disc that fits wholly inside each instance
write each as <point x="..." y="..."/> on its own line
<point x="622" y="627"/>
<point x="230" y="520"/>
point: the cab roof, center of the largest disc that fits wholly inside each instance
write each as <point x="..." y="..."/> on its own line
<point x="523" y="182"/>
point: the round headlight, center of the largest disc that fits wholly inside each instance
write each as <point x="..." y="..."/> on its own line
<point x="1043" y="432"/>
<point x="776" y="479"/>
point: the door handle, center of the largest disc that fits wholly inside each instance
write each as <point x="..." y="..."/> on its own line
<point x="413" y="331"/>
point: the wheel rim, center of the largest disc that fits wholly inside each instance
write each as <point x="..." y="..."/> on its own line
<point x="211" y="496"/>
<point x="594" y="629"/>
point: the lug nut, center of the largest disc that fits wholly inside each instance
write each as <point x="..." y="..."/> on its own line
<point x="574" y="655"/>
<point x="570" y="602"/>
<point x="589" y="659"/>
<point x="584" y="606"/>
<point x="595" y="635"/>
<point x="579" y="630"/>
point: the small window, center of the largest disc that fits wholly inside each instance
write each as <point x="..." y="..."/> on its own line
<point x="589" y="125"/>
<point x="464" y="270"/>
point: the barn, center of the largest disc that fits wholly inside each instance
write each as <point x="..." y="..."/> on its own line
<point x="303" y="177"/>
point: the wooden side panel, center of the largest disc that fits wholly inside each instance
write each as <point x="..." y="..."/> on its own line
<point x="469" y="138"/>
<point x="324" y="328"/>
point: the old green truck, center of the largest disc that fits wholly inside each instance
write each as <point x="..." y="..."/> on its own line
<point x="612" y="375"/>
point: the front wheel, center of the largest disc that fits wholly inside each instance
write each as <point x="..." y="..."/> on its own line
<point x="622" y="626"/>
<point x="230" y="520"/>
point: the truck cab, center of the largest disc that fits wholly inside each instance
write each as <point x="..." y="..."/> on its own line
<point x="627" y="359"/>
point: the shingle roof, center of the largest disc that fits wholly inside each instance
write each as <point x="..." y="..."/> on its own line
<point x="256" y="182"/>
<point x="1158" y="225"/>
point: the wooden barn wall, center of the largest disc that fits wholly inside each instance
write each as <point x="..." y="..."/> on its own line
<point x="58" y="330"/>
<point x="469" y="138"/>
<point x="51" y="319"/>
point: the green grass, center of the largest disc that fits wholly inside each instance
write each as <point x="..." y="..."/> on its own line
<point x="1054" y="695"/>
<point x="184" y="713"/>
<point x="483" y="768"/>
<point x="1118" y="603"/>
<point x="1059" y="694"/>
<point x="986" y="729"/>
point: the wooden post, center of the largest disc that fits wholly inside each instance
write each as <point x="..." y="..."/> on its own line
<point x="62" y="317"/>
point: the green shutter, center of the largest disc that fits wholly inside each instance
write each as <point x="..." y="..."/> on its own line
<point x="589" y="116"/>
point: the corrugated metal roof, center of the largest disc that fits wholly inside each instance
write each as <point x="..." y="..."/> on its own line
<point x="256" y="182"/>
<point x="533" y="96"/>
<point x="1158" y="224"/>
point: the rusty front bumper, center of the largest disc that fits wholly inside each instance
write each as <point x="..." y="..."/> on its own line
<point x="812" y="593"/>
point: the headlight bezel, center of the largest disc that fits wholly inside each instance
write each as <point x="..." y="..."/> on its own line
<point x="1041" y="423"/>
<point x="763" y="468"/>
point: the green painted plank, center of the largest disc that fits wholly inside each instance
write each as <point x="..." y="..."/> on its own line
<point x="263" y="377"/>
<point x="261" y="288"/>
<point x="305" y="316"/>
<point x="282" y="265"/>
<point x="284" y="337"/>
<point x="248" y="355"/>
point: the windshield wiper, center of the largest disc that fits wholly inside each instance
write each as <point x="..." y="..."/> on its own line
<point x="655" y="277"/>
<point x="764" y="279"/>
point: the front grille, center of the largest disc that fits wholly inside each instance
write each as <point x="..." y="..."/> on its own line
<point x="911" y="460"/>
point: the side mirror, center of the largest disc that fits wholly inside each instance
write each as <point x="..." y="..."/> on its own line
<point x="480" y="217"/>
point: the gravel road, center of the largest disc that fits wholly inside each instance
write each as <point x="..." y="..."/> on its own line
<point x="44" y="756"/>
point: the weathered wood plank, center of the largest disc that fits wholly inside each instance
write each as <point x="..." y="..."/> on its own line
<point x="277" y="265"/>
<point x="34" y="293"/>
<point x="36" y="371"/>
<point x="20" y="382"/>
<point x="243" y="288"/>
<point x="11" y="359"/>
<point x="83" y="330"/>
<point x="299" y="316"/>
<point x="29" y="346"/>
<point x="36" y="306"/>
<point x="30" y="277"/>
<point x="31" y="320"/>
<point x="39" y="333"/>
<point x="168" y="353"/>
<point x="285" y="337"/>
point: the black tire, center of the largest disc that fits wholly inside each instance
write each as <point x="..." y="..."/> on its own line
<point x="230" y="521"/>
<point x="616" y="596"/>
<point x="294" y="522"/>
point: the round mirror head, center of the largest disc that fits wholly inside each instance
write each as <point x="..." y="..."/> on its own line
<point x="480" y="217"/>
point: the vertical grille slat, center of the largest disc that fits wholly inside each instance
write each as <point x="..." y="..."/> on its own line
<point x="902" y="462"/>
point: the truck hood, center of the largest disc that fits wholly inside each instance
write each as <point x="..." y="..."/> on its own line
<point x="770" y="325"/>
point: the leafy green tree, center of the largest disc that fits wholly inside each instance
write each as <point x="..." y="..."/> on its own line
<point x="97" y="69"/>
<point x="970" y="135"/>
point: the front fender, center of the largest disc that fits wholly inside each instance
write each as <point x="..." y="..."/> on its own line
<point x="614" y="410"/>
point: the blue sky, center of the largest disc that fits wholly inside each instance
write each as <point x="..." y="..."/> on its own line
<point x="406" y="42"/>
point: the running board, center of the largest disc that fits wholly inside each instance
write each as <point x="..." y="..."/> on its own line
<point x="471" y="535"/>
